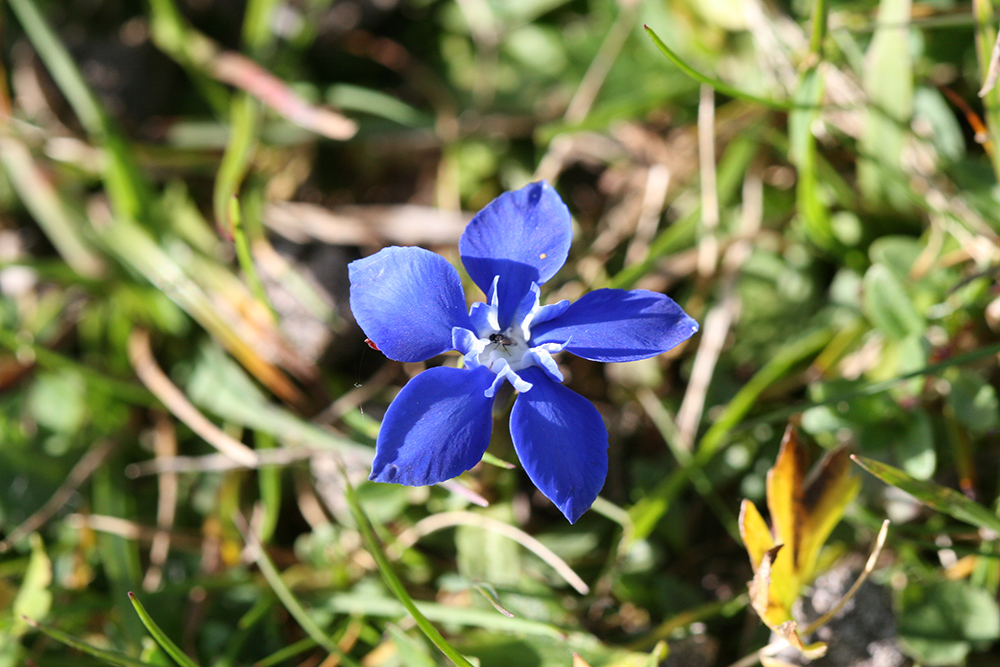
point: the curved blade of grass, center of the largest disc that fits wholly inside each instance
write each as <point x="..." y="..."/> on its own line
<point x="681" y="234"/>
<point x="484" y="619"/>
<point x="720" y="86"/>
<point x="110" y="657"/>
<point x="288" y="599"/>
<point x="986" y="36"/>
<point x="126" y="189"/>
<point x="123" y="390"/>
<point x="648" y="511"/>
<point x="393" y="582"/>
<point x="941" y="498"/>
<point x="39" y="195"/>
<point x="783" y="414"/>
<point x="286" y="653"/>
<point x="161" y="637"/>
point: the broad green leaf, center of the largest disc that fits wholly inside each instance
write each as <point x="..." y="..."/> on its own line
<point x="941" y="498"/>
<point x="888" y="306"/>
<point x="896" y="252"/>
<point x="939" y="622"/>
<point x="412" y="652"/>
<point x="975" y="403"/>
<point x="58" y="401"/>
<point x="888" y="81"/>
<point x="484" y="555"/>
<point x="503" y="650"/>
<point x="34" y="599"/>
<point x="945" y="132"/>
<point x="913" y="445"/>
<point x="802" y="153"/>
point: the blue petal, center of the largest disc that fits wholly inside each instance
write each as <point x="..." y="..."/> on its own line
<point x="437" y="427"/>
<point x="562" y="443"/>
<point x="407" y="300"/>
<point x="618" y="325"/>
<point x="521" y="236"/>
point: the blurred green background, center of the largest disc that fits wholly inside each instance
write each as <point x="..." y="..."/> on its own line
<point x="186" y="404"/>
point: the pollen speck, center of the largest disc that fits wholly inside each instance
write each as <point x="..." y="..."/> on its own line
<point x="542" y="256"/>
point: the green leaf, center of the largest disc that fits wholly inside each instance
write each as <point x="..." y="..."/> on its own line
<point x="896" y="252"/>
<point x="802" y="153"/>
<point x="160" y="636"/>
<point x="975" y="403"/>
<point x="393" y="582"/>
<point x="888" y="81"/>
<point x="720" y="86"/>
<point x="914" y="445"/>
<point x="110" y="657"/>
<point x="58" y="401"/>
<point x="945" y="132"/>
<point x="941" y="498"/>
<point x="888" y="306"/>
<point x="938" y="623"/>
<point x="34" y="599"/>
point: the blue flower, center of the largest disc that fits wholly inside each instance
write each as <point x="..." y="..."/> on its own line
<point x="410" y="304"/>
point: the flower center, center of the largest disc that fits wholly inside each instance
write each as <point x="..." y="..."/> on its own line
<point x="509" y="345"/>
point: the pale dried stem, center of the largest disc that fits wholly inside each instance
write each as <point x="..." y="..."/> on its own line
<point x="486" y="36"/>
<point x="653" y="200"/>
<point x="869" y="568"/>
<point x="218" y="462"/>
<point x="164" y="445"/>
<point x="781" y="644"/>
<point x="239" y="71"/>
<point x="721" y="317"/>
<point x="708" y="246"/>
<point x="748" y="660"/>
<point x="309" y="503"/>
<point x="994" y="70"/>
<point x="346" y="643"/>
<point x="443" y="520"/>
<point x="83" y="469"/>
<point x="141" y="357"/>
<point x="593" y="80"/>
<point x="130" y="530"/>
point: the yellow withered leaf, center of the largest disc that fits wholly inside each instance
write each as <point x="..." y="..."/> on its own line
<point x="755" y="533"/>
<point x="790" y="632"/>
<point x="761" y="596"/>
<point x="803" y="512"/>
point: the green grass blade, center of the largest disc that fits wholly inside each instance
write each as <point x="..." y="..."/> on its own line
<point x="292" y="604"/>
<point x="485" y="619"/>
<point x="393" y="582"/>
<point x="110" y="657"/>
<point x="128" y="392"/>
<point x="681" y="234"/>
<point x="43" y="201"/>
<point x="161" y="637"/>
<point x="876" y="387"/>
<point x="286" y="653"/>
<point x="888" y="81"/>
<point x="986" y="34"/>
<point x="720" y="86"/>
<point x="647" y="512"/>
<point x="941" y="498"/>
<point x="127" y="191"/>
